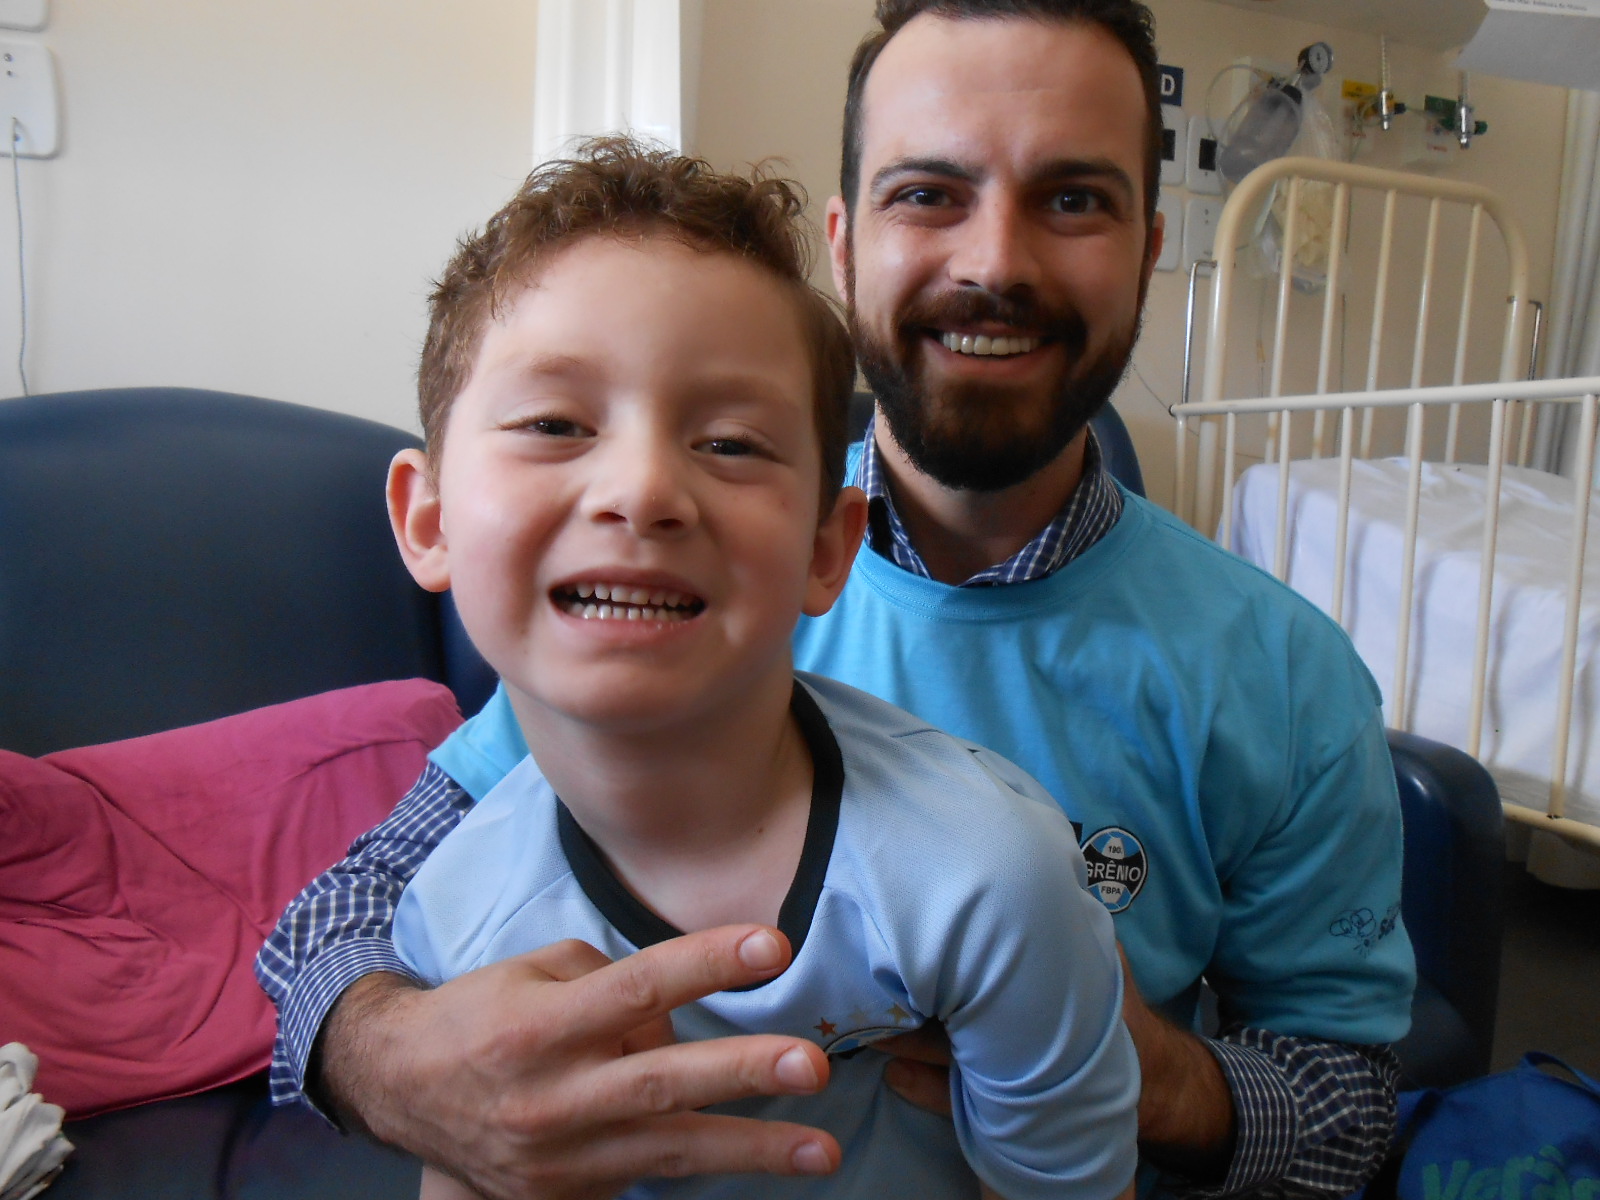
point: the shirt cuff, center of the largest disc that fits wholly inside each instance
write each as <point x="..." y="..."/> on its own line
<point x="307" y="1004"/>
<point x="1266" y="1119"/>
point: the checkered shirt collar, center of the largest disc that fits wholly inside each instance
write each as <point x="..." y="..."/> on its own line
<point x="1088" y="515"/>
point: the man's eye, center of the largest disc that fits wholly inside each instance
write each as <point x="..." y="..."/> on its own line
<point x="1076" y="202"/>
<point x="923" y="197"/>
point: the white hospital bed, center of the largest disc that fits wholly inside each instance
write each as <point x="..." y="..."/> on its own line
<point x="1389" y="536"/>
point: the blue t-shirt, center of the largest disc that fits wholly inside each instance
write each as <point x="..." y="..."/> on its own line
<point x="937" y="882"/>
<point x="1212" y="734"/>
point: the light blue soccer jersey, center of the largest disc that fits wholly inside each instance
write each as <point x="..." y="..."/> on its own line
<point x="938" y="881"/>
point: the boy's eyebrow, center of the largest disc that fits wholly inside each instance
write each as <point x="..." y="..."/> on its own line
<point x="560" y="365"/>
<point x="1060" y="170"/>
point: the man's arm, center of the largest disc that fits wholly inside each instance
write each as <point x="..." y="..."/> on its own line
<point x="1255" y="1110"/>
<point x="337" y="930"/>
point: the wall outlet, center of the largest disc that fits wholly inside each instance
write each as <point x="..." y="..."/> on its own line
<point x="1174" y="145"/>
<point x="1200" y="172"/>
<point x="1200" y="219"/>
<point x="1170" y="207"/>
<point x="28" y="97"/>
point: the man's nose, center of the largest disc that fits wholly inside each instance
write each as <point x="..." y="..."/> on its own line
<point x="644" y="484"/>
<point x="995" y="249"/>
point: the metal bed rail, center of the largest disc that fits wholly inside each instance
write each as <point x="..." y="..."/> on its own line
<point x="1344" y="407"/>
<point x="1235" y="229"/>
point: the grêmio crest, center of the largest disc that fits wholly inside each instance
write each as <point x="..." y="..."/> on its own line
<point x="1118" y="866"/>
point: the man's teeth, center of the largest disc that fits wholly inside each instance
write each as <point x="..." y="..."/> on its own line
<point x="608" y="602"/>
<point x="982" y="343"/>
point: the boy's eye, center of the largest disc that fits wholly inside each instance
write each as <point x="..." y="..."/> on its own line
<point x="730" y="447"/>
<point x="559" y="427"/>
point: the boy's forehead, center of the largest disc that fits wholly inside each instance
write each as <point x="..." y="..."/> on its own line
<point x="614" y="299"/>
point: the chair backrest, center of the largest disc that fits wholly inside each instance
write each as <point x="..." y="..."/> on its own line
<point x="168" y="556"/>
<point x="1452" y="904"/>
<point x="1115" y="442"/>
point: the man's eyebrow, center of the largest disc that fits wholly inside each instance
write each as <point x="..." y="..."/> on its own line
<point x="945" y="168"/>
<point x="1068" y="170"/>
<point x="1057" y="171"/>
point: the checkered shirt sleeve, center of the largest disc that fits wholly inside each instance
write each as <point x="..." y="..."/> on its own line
<point x="1314" y="1119"/>
<point x="338" y="928"/>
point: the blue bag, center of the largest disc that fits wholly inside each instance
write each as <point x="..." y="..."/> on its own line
<point x="1521" y="1134"/>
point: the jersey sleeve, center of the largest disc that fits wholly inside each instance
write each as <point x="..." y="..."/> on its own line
<point x="1045" y="1085"/>
<point x="1311" y="943"/>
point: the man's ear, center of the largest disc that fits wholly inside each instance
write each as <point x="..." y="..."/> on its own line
<point x="1153" y="244"/>
<point x="836" y="224"/>
<point x="838" y="538"/>
<point x="414" y="515"/>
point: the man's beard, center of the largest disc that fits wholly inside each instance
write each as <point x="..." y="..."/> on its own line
<point x="979" y="436"/>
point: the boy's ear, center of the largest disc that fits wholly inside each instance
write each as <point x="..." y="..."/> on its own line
<point x="836" y="223"/>
<point x="833" y="552"/>
<point x="414" y="515"/>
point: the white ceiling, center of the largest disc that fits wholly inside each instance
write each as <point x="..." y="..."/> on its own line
<point x="1431" y="24"/>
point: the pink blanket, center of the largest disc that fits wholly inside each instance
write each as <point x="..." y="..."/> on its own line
<point x="138" y="879"/>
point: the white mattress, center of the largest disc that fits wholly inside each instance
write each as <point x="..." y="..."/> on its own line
<point x="1527" y="617"/>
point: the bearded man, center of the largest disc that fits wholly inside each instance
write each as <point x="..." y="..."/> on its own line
<point x="1213" y="735"/>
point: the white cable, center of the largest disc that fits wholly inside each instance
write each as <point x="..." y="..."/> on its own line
<point x="22" y="278"/>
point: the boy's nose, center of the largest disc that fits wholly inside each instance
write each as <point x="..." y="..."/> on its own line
<point x="646" y="490"/>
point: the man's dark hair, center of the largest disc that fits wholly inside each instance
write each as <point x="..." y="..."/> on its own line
<point x="1126" y="20"/>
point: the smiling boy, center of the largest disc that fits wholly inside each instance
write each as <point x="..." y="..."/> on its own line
<point x="635" y="412"/>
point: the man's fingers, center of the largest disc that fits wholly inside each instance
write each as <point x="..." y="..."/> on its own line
<point x="705" y="1144"/>
<point x="562" y="961"/>
<point x="921" y="1084"/>
<point x="681" y="1078"/>
<point x="624" y="995"/>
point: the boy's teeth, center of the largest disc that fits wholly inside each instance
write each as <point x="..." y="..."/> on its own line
<point x="983" y="344"/>
<point x="589" y="601"/>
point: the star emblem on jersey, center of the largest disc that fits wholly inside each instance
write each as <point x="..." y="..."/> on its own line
<point x="863" y="1027"/>
<point x="1118" y="866"/>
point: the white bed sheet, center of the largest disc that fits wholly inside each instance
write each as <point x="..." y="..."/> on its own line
<point x="1527" y="615"/>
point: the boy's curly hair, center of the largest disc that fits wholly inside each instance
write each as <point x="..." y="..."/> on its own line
<point x="618" y="187"/>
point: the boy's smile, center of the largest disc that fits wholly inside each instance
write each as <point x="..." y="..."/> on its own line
<point x="626" y="500"/>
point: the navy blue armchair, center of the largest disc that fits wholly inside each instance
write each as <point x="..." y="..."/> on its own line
<point x="167" y="557"/>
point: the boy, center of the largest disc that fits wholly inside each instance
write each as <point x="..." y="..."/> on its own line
<point x="635" y="406"/>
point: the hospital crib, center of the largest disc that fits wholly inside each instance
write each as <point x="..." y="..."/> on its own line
<point x="1459" y="571"/>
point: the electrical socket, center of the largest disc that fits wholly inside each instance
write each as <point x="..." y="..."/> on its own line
<point x="28" y="96"/>
<point x="1174" y="144"/>
<point x="1200" y="162"/>
<point x="1200" y="219"/>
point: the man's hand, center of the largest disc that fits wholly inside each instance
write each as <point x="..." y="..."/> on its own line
<point x="555" y="1074"/>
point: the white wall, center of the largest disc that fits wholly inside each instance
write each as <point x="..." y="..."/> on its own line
<point x="253" y="194"/>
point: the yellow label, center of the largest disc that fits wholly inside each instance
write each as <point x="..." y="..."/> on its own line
<point x="1356" y="91"/>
